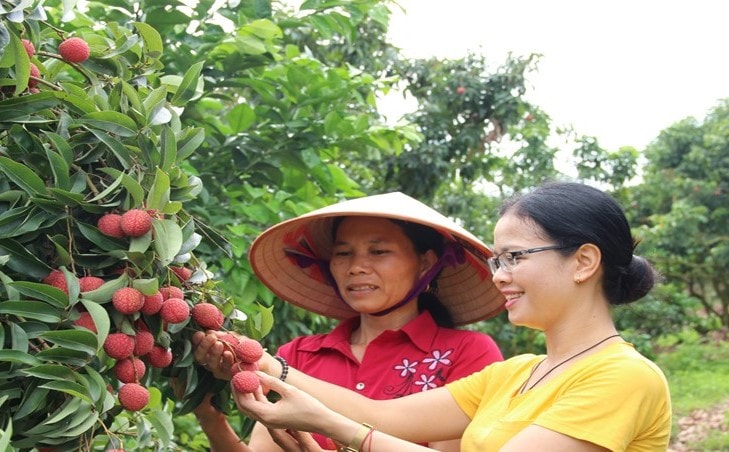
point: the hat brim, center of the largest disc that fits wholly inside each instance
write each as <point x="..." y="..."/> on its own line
<point x="466" y="289"/>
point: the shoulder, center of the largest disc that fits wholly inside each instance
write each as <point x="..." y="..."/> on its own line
<point x="302" y="343"/>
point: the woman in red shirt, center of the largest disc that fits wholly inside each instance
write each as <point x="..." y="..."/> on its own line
<point x="399" y="275"/>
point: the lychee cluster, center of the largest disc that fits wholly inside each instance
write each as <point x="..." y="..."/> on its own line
<point x="132" y="223"/>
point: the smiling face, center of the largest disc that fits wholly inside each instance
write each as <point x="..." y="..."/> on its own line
<point x="536" y="290"/>
<point x="374" y="263"/>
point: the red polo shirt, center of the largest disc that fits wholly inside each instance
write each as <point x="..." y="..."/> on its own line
<point x="417" y="357"/>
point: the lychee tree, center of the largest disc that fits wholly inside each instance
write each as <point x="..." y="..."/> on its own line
<point x="97" y="250"/>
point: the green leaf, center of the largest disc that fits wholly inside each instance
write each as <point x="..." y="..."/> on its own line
<point x="19" y="108"/>
<point x="78" y="339"/>
<point x="190" y="85"/>
<point x="159" y="193"/>
<point x="43" y="292"/>
<point x="62" y="146"/>
<point x="28" y="309"/>
<point x="6" y="435"/>
<point x="51" y="372"/>
<point x="120" y="151"/>
<point x="34" y="399"/>
<point x="167" y="240"/>
<point x="104" y="293"/>
<point x="17" y="356"/>
<point x="101" y="320"/>
<point x="60" y="169"/>
<point x="191" y="140"/>
<point x="133" y="187"/>
<point x="63" y="355"/>
<point x="22" y="260"/>
<point x="168" y="146"/>
<point x="110" y="121"/>
<point x="69" y="387"/>
<point x="152" y="39"/>
<point x="241" y="117"/>
<point x="23" y="176"/>
<point x="162" y="423"/>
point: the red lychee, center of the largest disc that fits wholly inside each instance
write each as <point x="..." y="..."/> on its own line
<point x="248" y="350"/>
<point x="133" y="396"/>
<point x="110" y="224"/>
<point x="57" y="279"/>
<point x="89" y="283"/>
<point x="174" y="310"/>
<point x="74" y="50"/>
<point x="171" y="292"/>
<point x="183" y="273"/>
<point x="128" y="300"/>
<point x="34" y="72"/>
<point x="160" y="357"/>
<point x="152" y="303"/>
<point x="136" y="222"/>
<point x="85" y="320"/>
<point x="29" y="48"/>
<point x="129" y="370"/>
<point x="246" y="381"/>
<point x="208" y="316"/>
<point x="460" y="90"/>
<point x="119" y="345"/>
<point x="229" y="339"/>
<point x="143" y="342"/>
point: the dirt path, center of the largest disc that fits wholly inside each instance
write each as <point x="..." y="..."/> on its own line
<point x="697" y="425"/>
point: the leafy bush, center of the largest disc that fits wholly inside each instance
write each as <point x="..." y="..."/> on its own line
<point x="79" y="140"/>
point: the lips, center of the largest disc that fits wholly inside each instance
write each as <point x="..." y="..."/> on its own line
<point x="512" y="298"/>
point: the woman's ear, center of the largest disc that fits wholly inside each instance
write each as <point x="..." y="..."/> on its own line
<point x="427" y="260"/>
<point x="588" y="258"/>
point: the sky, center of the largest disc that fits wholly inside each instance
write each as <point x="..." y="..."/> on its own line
<point x="618" y="70"/>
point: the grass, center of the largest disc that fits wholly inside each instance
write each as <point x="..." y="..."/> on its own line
<point x="698" y="375"/>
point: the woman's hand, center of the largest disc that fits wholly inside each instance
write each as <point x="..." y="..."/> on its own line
<point x="296" y="410"/>
<point x="296" y="441"/>
<point x="212" y="354"/>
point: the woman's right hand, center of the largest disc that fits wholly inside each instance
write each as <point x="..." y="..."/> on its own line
<point x="210" y="353"/>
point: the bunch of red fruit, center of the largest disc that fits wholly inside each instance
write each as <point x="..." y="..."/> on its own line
<point x="133" y="344"/>
<point x="247" y="352"/>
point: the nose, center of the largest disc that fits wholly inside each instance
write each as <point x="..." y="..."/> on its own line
<point x="358" y="264"/>
<point x="500" y="275"/>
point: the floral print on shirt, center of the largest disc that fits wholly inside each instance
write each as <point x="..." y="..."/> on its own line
<point x="420" y="375"/>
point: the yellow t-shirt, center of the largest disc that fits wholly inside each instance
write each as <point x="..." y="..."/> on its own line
<point x="615" y="398"/>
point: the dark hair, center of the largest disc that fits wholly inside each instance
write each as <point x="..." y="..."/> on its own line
<point x="423" y="238"/>
<point x="572" y="214"/>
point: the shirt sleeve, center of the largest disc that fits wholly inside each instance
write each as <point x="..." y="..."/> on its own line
<point x="476" y="351"/>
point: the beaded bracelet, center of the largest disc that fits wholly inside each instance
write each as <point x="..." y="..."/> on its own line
<point x="284" y="367"/>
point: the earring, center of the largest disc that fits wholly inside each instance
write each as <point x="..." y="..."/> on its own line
<point x="578" y="279"/>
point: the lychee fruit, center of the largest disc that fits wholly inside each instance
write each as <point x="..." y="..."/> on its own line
<point x="128" y="300"/>
<point x="110" y="224"/>
<point x="241" y="366"/>
<point x="29" y="47"/>
<point x="74" y="50"/>
<point x="34" y="72"/>
<point x="119" y="345"/>
<point x="136" y="222"/>
<point x="57" y="279"/>
<point x="152" y="303"/>
<point x="129" y="370"/>
<point x="160" y="357"/>
<point x="174" y="310"/>
<point x="171" y="292"/>
<point x="85" y="320"/>
<point x="229" y="339"/>
<point x="208" y="316"/>
<point x="245" y="381"/>
<point x="133" y="396"/>
<point x="460" y="90"/>
<point x="248" y="350"/>
<point x="183" y="273"/>
<point x="143" y="342"/>
<point x="89" y="283"/>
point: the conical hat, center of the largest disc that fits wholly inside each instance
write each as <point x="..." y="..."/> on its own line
<point x="465" y="289"/>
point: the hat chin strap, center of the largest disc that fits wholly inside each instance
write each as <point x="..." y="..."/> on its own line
<point x="452" y="255"/>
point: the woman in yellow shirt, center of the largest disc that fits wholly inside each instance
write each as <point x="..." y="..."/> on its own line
<point x="563" y="256"/>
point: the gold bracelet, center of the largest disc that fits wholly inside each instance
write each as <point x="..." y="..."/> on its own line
<point x="356" y="444"/>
